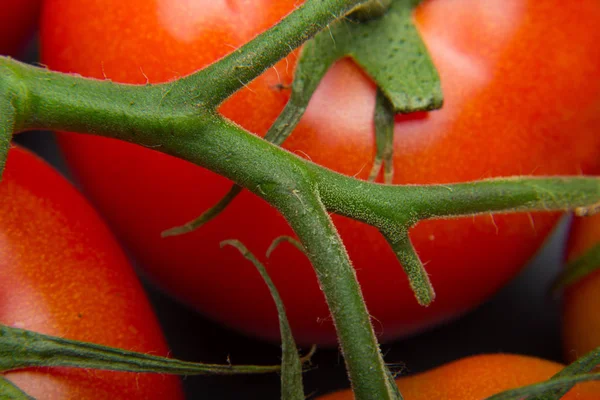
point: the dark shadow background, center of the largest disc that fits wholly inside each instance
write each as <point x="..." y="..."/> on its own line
<point x="522" y="318"/>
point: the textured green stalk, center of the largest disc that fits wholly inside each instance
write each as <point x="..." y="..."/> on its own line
<point x="308" y="217"/>
<point x="393" y="207"/>
<point x="179" y="119"/>
<point x="414" y="269"/>
<point x="249" y="161"/>
<point x="11" y="98"/>
<point x="214" y="84"/>
<point x="281" y="178"/>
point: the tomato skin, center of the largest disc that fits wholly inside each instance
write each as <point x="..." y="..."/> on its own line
<point x="483" y="50"/>
<point x="63" y="274"/>
<point x="478" y="377"/>
<point x="18" y="20"/>
<point x="580" y="317"/>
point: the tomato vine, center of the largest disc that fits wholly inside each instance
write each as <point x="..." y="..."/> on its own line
<point x="180" y="118"/>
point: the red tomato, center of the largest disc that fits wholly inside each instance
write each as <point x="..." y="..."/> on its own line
<point x="581" y="320"/>
<point x="478" y="377"/>
<point x="522" y="86"/>
<point x="63" y="274"/>
<point x="18" y="19"/>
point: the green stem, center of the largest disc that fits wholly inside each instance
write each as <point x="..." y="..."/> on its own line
<point x="308" y="217"/>
<point x="282" y="178"/>
<point x="157" y="116"/>
<point x="276" y="176"/>
<point x="24" y="349"/>
<point x="415" y="272"/>
<point x="206" y="216"/>
<point x="291" y="365"/>
<point x="395" y="208"/>
<point x="11" y="97"/>
<point x="214" y="84"/>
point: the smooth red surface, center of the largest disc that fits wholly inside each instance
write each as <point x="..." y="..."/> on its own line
<point x="478" y="377"/>
<point x="522" y="87"/>
<point x="581" y="301"/>
<point x="63" y="274"/>
<point x="18" y="19"/>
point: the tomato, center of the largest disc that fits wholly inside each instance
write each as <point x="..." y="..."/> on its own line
<point x="478" y="377"/>
<point x="522" y="87"/>
<point x="580" y="318"/>
<point x="63" y="274"/>
<point x="18" y="20"/>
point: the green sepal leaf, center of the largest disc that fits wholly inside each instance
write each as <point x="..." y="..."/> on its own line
<point x="8" y="391"/>
<point x="557" y="386"/>
<point x="22" y="349"/>
<point x="391" y="51"/>
<point x="579" y="268"/>
<point x="291" y="365"/>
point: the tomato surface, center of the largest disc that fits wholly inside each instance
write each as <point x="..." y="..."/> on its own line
<point x="522" y="95"/>
<point x="62" y="273"/>
<point x="478" y="377"/>
<point x="18" y="20"/>
<point x="581" y="320"/>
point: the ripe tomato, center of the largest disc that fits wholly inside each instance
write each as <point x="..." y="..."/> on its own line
<point x="522" y="87"/>
<point x="581" y="320"/>
<point x="18" y="20"/>
<point x="478" y="377"/>
<point x="63" y="274"/>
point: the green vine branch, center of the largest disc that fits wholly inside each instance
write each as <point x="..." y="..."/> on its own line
<point x="24" y="349"/>
<point x="304" y="192"/>
<point x="180" y="119"/>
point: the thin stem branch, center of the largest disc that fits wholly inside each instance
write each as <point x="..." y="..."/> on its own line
<point x="214" y="84"/>
<point x="414" y="269"/>
<point x="308" y="217"/>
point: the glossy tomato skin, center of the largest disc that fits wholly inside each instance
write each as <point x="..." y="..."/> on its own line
<point x="522" y="97"/>
<point x="478" y="377"/>
<point x="18" y="19"/>
<point x="63" y="274"/>
<point x="581" y="320"/>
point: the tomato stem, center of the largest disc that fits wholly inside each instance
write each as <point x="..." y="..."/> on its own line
<point x="23" y="349"/>
<point x="291" y="365"/>
<point x="180" y="119"/>
<point x="414" y="269"/>
<point x="213" y="85"/>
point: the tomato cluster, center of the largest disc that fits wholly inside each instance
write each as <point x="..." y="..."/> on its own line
<point x="521" y="80"/>
<point x="508" y="70"/>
